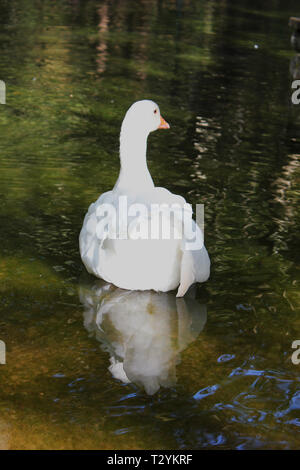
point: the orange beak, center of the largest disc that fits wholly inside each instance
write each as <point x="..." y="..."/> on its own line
<point x="163" y="124"/>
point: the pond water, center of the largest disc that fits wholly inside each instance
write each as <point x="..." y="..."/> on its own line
<point x="213" y="370"/>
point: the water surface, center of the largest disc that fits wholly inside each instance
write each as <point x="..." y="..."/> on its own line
<point x="212" y="371"/>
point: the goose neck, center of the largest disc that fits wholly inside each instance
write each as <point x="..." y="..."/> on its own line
<point x="133" y="156"/>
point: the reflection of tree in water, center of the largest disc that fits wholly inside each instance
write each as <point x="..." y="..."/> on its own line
<point x="102" y="46"/>
<point x="295" y="43"/>
<point x="286" y="191"/>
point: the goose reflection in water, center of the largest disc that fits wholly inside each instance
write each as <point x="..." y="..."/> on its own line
<point x="143" y="331"/>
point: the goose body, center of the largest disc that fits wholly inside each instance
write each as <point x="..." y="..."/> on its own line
<point x="134" y="253"/>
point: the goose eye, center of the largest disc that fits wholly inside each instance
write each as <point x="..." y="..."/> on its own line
<point x="155" y="111"/>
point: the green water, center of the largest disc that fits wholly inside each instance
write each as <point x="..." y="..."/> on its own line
<point x="212" y="371"/>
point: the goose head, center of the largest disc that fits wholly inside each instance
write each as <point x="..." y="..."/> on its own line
<point x="142" y="118"/>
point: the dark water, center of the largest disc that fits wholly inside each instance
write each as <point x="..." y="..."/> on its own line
<point x="213" y="370"/>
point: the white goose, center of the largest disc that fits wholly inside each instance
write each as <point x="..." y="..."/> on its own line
<point x="122" y="256"/>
